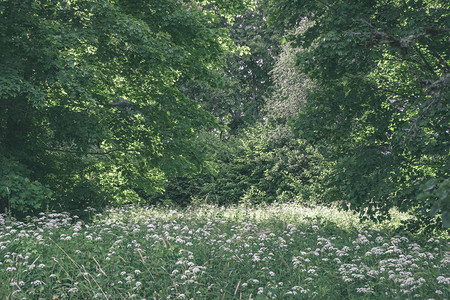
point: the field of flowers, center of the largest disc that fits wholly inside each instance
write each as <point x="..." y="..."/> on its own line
<point x="273" y="252"/>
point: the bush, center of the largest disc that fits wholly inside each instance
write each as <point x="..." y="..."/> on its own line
<point x="265" y="163"/>
<point x="19" y="192"/>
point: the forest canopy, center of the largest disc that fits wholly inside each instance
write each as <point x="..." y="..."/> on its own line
<point x="89" y="110"/>
<point x="114" y="102"/>
<point x="381" y="99"/>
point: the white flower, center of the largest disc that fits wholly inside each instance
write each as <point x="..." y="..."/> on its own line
<point x="443" y="280"/>
<point x="37" y="282"/>
<point x="363" y="290"/>
<point x="347" y="279"/>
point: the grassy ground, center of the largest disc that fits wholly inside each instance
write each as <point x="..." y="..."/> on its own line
<point x="274" y="252"/>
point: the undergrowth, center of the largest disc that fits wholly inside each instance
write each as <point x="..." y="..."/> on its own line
<point x="282" y="251"/>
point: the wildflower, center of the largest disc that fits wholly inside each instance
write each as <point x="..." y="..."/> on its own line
<point x="379" y="239"/>
<point x="443" y="280"/>
<point x="37" y="282"/>
<point x="407" y="282"/>
<point x="363" y="290"/>
<point x="347" y="279"/>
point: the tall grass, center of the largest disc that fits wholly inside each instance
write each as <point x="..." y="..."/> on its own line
<point x="271" y="252"/>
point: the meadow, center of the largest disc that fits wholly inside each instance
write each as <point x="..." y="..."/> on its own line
<point x="281" y="251"/>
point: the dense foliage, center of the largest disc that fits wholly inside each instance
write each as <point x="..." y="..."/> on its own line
<point x="111" y="102"/>
<point x="380" y="104"/>
<point x="263" y="161"/>
<point x="89" y="111"/>
<point x="263" y="164"/>
<point x="236" y="94"/>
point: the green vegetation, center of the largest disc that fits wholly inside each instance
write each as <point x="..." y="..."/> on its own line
<point x="115" y="102"/>
<point x="207" y="252"/>
<point x="90" y="113"/>
<point x="379" y="108"/>
<point x="281" y="149"/>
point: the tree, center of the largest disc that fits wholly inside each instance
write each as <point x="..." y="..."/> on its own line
<point x="263" y="162"/>
<point x="290" y="84"/>
<point x="380" y="101"/>
<point x="236" y="94"/>
<point x="89" y="110"/>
